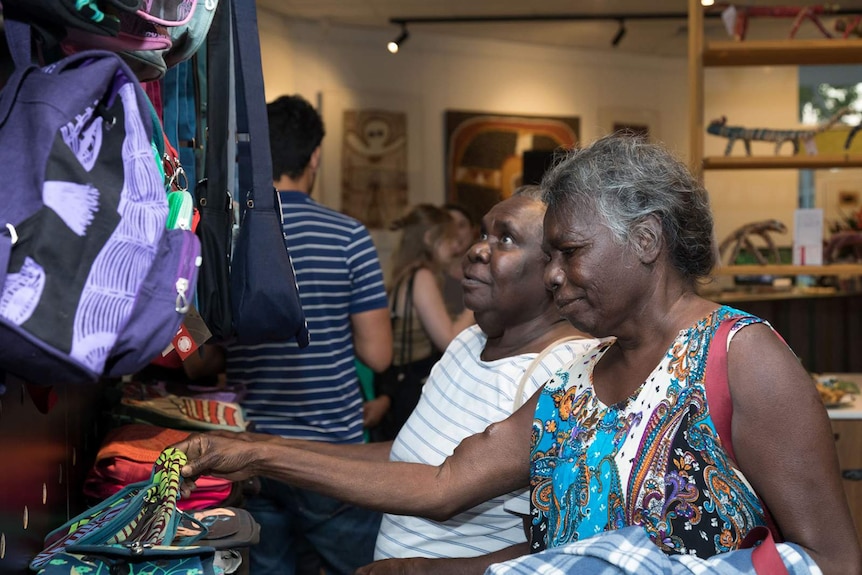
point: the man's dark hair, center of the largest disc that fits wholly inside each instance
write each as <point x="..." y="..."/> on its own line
<point x="295" y="130"/>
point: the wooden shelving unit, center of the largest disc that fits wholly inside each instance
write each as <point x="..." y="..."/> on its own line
<point x="789" y="270"/>
<point x="703" y="54"/>
<point x="783" y="52"/>
<point x="817" y="162"/>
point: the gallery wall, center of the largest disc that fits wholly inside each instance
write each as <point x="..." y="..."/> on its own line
<point x="341" y="68"/>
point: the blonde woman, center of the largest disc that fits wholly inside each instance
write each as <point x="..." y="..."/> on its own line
<point x="421" y="325"/>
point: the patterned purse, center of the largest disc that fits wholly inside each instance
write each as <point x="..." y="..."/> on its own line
<point x="140" y="516"/>
<point x="133" y="559"/>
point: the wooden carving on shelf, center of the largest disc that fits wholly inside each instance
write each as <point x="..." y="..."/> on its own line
<point x="843" y="245"/>
<point x="720" y="128"/>
<point x="741" y="240"/>
<point x="739" y="17"/>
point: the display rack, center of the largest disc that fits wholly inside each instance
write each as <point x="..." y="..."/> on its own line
<point x="845" y="270"/>
<point x="703" y="54"/>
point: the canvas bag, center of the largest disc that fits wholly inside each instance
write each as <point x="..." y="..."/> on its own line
<point x="93" y="283"/>
<point x="263" y="289"/>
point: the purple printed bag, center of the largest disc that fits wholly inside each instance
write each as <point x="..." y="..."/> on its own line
<point x="93" y="284"/>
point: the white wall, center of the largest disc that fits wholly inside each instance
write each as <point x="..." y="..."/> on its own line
<point x="433" y="74"/>
<point x="341" y="67"/>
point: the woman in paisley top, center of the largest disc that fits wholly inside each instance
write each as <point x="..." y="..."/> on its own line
<point x="627" y="434"/>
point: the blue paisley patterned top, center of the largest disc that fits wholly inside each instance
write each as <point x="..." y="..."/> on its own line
<point x="653" y="460"/>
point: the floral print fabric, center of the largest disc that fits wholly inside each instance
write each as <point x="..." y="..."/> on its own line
<point x="653" y="460"/>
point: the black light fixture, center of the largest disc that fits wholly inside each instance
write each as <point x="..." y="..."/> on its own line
<point x="395" y="44"/>
<point x="621" y="32"/>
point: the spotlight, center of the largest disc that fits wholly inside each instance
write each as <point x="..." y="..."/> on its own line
<point x="707" y="2"/>
<point x="621" y="32"/>
<point x="395" y="44"/>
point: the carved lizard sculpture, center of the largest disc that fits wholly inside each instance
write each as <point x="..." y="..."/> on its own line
<point x="747" y="135"/>
<point x="741" y="239"/>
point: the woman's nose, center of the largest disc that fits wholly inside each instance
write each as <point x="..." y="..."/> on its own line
<point x="479" y="251"/>
<point x="553" y="276"/>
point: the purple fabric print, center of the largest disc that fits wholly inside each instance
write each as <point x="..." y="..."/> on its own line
<point x="127" y="256"/>
<point x="75" y="204"/>
<point x="84" y="137"/>
<point x="22" y="292"/>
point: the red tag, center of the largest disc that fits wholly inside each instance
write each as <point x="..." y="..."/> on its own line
<point x="184" y="343"/>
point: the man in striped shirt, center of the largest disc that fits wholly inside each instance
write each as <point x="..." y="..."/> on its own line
<point x="313" y="393"/>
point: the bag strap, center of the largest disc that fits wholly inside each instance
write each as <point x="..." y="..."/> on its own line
<point x="407" y="324"/>
<point x="765" y="558"/>
<point x="721" y="409"/>
<point x="519" y="394"/>
<point x="253" y="154"/>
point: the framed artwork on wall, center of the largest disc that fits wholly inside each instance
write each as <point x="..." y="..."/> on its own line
<point x="485" y="151"/>
<point x="374" y="166"/>
<point x="641" y="122"/>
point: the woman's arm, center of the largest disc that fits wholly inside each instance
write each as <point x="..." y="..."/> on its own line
<point x="485" y="465"/>
<point x="783" y="443"/>
<point x="375" y="451"/>
<point x="431" y="310"/>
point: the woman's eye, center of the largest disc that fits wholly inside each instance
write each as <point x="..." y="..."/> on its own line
<point x="506" y="239"/>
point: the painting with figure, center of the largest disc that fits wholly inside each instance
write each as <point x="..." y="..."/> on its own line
<point x="374" y="166"/>
<point x="484" y="152"/>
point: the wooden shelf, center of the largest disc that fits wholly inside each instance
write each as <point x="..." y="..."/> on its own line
<point x="783" y="52"/>
<point x="816" y="162"/>
<point x="789" y="270"/>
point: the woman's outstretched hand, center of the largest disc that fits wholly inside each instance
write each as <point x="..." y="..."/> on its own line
<point x="217" y="455"/>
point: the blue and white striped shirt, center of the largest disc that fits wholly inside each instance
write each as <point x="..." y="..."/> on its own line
<point x="463" y="396"/>
<point x="313" y="393"/>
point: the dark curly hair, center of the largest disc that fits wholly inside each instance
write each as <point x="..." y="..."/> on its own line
<point x="295" y="130"/>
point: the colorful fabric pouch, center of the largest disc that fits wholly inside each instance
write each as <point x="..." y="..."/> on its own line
<point x="133" y="559"/>
<point x="142" y="515"/>
<point x="182" y="412"/>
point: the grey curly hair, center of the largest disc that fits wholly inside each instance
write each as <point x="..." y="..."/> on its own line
<point x="624" y="179"/>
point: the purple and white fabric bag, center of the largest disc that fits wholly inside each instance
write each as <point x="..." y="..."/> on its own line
<point x="93" y="284"/>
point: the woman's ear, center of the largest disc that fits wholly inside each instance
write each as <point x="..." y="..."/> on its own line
<point x="649" y="239"/>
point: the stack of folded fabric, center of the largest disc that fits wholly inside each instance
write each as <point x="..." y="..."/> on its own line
<point x="127" y="455"/>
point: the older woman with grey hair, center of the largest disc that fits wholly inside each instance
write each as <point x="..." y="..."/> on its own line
<point x="635" y="433"/>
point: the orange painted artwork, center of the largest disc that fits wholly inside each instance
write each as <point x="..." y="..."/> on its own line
<point x="485" y="153"/>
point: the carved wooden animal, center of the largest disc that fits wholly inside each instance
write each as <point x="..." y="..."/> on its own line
<point x="719" y="127"/>
<point x="742" y="14"/>
<point x="841" y="243"/>
<point x="741" y="240"/>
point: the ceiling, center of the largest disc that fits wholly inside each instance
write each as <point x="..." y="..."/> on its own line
<point x="663" y="37"/>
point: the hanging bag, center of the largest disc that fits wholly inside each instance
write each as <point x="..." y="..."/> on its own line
<point x="403" y="381"/>
<point x="263" y="289"/>
<point x="93" y="284"/>
<point x="213" y="195"/>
